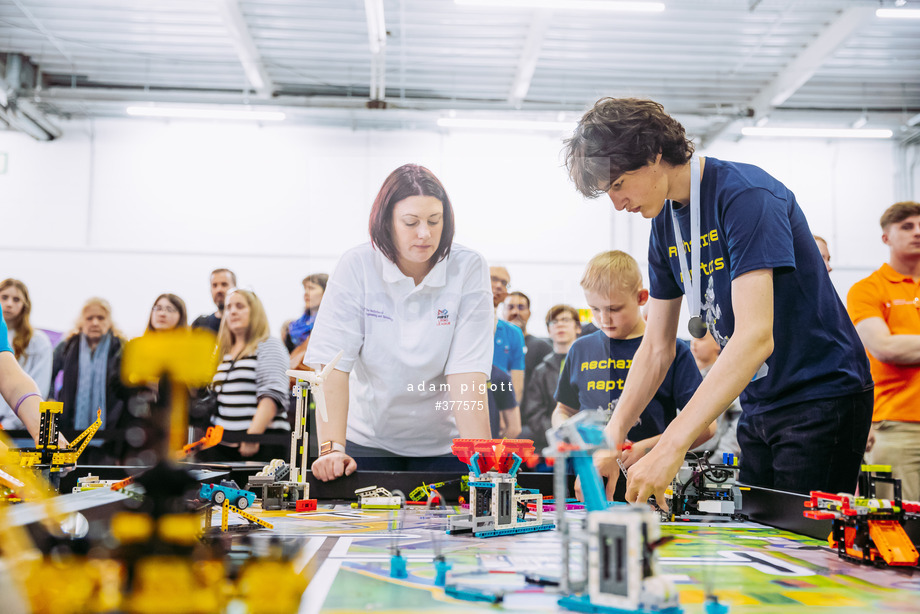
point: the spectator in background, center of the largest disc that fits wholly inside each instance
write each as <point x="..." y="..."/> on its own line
<point x="563" y="324"/>
<point x="705" y="351"/>
<point x="508" y="354"/>
<point x="30" y="346"/>
<point x="221" y="282"/>
<point x="168" y="313"/>
<point x="251" y="382"/>
<point x="296" y="333"/>
<point x="296" y="337"/>
<point x="504" y="414"/>
<point x="825" y="253"/>
<point x="886" y="310"/>
<point x="517" y="311"/>
<point x="587" y="328"/>
<point x="89" y="359"/>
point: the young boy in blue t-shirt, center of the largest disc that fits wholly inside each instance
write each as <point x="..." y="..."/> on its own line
<point x="597" y="364"/>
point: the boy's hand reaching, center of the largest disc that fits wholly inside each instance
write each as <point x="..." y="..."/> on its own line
<point x="652" y="474"/>
<point x="605" y="461"/>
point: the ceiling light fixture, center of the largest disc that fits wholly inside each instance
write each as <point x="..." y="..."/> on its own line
<point x="898" y="13"/>
<point x="506" y="124"/>
<point x="189" y="113"/>
<point x="818" y="133"/>
<point x="574" y="5"/>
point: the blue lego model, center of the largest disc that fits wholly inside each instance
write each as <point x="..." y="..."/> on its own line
<point x="227" y="490"/>
<point x="619" y="559"/>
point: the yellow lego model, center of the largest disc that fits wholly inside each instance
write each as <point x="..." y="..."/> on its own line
<point x="47" y="454"/>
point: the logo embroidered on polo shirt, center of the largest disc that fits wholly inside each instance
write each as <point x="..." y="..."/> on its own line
<point x="377" y="314"/>
<point x="443" y="317"/>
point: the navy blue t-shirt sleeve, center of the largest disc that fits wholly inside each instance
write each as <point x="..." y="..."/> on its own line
<point x="566" y="391"/>
<point x="686" y="375"/>
<point x="758" y="231"/>
<point x="662" y="284"/>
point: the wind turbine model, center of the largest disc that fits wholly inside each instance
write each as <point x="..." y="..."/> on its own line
<point x="307" y="380"/>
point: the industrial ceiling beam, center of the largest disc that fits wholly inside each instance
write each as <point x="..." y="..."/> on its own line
<point x="803" y="67"/>
<point x="527" y="64"/>
<point x="245" y="47"/>
<point x="41" y="28"/>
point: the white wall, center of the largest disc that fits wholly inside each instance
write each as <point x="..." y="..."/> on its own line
<point x="127" y="209"/>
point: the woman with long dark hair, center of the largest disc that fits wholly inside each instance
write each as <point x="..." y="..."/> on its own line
<point x="167" y="313"/>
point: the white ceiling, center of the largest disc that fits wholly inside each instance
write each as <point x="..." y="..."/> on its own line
<point x="716" y="64"/>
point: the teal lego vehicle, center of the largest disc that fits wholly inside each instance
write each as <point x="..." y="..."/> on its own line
<point x="227" y="490"/>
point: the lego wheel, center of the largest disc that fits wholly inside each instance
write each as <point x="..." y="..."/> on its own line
<point x="218" y="497"/>
<point x="242" y="503"/>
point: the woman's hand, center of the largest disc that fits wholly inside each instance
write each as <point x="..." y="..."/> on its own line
<point x="248" y="448"/>
<point x="333" y="465"/>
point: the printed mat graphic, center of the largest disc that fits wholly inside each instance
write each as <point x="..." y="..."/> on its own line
<point x="752" y="568"/>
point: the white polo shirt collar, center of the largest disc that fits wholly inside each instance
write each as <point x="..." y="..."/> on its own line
<point x="436" y="278"/>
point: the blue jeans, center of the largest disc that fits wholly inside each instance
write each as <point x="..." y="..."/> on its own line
<point x="377" y="459"/>
<point x="815" y="445"/>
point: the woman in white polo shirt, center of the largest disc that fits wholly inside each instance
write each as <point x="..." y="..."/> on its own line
<point x="413" y="314"/>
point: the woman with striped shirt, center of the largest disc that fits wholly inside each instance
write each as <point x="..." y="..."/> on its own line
<point x="251" y="382"/>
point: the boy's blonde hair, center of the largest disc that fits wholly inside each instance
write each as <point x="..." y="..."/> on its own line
<point x="613" y="270"/>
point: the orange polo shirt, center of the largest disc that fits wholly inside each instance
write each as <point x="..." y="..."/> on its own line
<point x="895" y="298"/>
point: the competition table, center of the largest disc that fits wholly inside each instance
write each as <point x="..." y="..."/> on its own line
<point x="751" y="566"/>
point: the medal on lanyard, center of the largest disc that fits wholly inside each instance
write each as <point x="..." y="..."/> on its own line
<point x="692" y="283"/>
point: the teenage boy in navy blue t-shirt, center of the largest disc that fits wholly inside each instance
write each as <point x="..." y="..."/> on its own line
<point x="788" y="347"/>
<point x="596" y="366"/>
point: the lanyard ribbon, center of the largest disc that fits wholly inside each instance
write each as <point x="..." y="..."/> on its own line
<point x="692" y="283"/>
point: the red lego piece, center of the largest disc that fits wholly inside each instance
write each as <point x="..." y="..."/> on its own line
<point x="816" y="515"/>
<point x="305" y="505"/>
<point x="494" y="454"/>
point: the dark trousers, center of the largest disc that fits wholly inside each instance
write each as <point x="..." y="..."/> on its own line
<point x="376" y="459"/>
<point x="815" y="445"/>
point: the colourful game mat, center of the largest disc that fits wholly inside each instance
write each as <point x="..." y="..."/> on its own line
<point x="750" y="567"/>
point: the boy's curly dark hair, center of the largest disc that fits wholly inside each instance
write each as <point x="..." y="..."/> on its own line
<point x="619" y="135"/>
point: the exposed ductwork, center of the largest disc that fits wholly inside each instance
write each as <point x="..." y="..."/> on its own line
<point x="17" y="111"/>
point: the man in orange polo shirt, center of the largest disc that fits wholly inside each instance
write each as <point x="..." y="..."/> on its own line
<point x="885" y="307"/>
